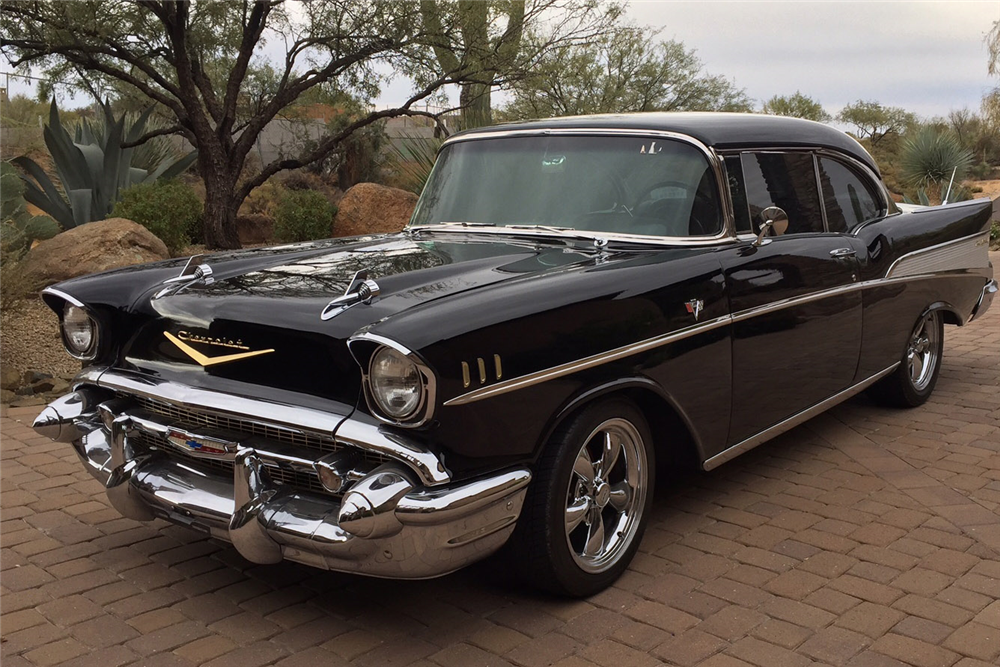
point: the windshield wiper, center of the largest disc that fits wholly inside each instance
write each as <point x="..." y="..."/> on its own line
<point x="546" y="228"/>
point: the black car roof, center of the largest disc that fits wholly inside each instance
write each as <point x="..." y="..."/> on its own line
<point x="717" y="129"/>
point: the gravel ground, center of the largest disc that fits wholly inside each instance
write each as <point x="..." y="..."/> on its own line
<point x="29" y="340"/>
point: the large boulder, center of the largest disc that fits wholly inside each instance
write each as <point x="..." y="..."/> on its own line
<point x="369" y="208"/>
<point x="93" y="247"/>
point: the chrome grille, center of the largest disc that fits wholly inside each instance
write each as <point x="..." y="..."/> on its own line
<point x="300" y="480"/>
<point x="192" y="419"/>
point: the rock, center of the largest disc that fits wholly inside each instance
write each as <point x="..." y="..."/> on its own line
<point x="254" y="228"/>
<point x="368" y="208"/>
<point x="31" y="377"/>
<point x="23" y="401"/>
<point x="10" y="379"/>
<point x="60" y="386"/>
<point x="93" y="247"/>
<point x="6" y="396"/>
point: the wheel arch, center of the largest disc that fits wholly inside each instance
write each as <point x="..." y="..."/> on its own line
<point x="667" y="421"/>
<point x="949" y="313"/>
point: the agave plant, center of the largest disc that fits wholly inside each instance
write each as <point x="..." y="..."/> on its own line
<point x="92" y="170"/>
<point x="149" y="155"/>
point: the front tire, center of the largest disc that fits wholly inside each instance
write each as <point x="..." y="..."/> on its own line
<point x="912" y="383"/>
<point x="589" y="502"/>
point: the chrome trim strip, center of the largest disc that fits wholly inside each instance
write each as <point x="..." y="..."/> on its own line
<point x="722" y="186"/>
<point x="665" y="339"/>
<point x="64" y="296"/>
<point x="950" y="255"/>
<point x="340" y="427"/>
<point x="588" y="362"/>
<point x="794" y="420"/>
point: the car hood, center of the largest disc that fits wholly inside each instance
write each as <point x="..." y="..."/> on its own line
<point x="291" y="290"/>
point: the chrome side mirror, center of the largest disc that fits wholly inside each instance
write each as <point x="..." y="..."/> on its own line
<point x="775" y="219"/>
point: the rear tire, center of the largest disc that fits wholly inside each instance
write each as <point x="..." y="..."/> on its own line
<point x="913" y="381"/>
<point x="588" y="503"/>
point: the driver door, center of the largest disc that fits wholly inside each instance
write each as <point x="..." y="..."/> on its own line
<point x="796" y="321"/>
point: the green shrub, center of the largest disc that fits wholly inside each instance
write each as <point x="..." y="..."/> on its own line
<point x="931" y="156"/>
<point x="303" y="215"/>
<point x="995" y="235"/>
<point x="169" y="209"/>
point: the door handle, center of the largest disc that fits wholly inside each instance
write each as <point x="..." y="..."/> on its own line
<point x="843" y="252"/>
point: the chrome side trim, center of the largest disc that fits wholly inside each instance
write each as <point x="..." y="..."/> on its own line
<point x="428" y="467"/>
<point x="794" y="420"/>
<point x="665" y="339"/>
<point x="588" y="362"/>
<point x="969" y="252"/>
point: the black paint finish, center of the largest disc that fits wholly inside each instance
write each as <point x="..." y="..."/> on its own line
<point x="539" y="302"/>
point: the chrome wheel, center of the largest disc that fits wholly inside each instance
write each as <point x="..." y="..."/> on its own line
<point x="922" y="351"/>
<point x="606" y="495"/>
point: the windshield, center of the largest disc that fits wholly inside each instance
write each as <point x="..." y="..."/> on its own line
<point x="627" y="185"/>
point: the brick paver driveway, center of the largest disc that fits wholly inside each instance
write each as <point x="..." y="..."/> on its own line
<point x="866" y="537"/>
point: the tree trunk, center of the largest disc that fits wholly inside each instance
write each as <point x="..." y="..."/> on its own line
<point x="475" y="101"/>
<point x="219" y="218"/>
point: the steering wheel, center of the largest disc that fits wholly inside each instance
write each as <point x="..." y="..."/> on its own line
<point x="696" y="227"/>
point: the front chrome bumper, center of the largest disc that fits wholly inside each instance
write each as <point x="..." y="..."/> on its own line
<point x="384" y="519"/>
<point x="985" y="299"/>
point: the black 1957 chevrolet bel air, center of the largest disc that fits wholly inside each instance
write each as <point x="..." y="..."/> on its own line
<point x="572" y="301"/>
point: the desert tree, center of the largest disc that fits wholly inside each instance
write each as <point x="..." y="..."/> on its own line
<point x="874" y="121"/>
<point x="798" y="106"/>
<point x="211" y="69"/>
<point x="495" y="43"/>
<point x="627" y="69"/>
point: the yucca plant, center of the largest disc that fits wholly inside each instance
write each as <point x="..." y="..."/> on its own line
<point x="413" y="158"/>
<point x="932" y="156"/>
<point x="91" y="171"/>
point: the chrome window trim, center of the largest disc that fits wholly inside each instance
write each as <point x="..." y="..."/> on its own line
<point x="819" y="193"/>
<point x="428" y="396"/>
<point x="637" y="347"/>
<point x="727" y="232"/>
<point x="874" y="182"/>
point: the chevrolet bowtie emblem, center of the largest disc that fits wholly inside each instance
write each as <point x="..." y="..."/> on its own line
<point x="205" y="360"/>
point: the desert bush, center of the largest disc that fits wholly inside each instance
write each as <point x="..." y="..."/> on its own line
<point x="303" y="215"/>
<point x="169" y="209"/>
<point x="264" y="199"/>
<point x="995" y="235"/>
<point x="16" y="284"/>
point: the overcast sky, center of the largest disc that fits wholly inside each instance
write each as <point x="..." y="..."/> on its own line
<point x="928" y="57"/>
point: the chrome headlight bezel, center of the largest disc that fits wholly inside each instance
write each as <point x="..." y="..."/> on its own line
<point x="366" y="349"/>
<point x="81" y="316"/>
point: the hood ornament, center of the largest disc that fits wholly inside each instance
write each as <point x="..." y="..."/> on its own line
<point x="195" y="271"/>
<point x="361" y="290"/>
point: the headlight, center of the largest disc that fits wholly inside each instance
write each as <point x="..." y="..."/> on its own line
<point x="79" y="332"/>
<point x="396" y="384"/>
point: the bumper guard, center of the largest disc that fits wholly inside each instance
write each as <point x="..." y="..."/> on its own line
<point x="385" y="523"/>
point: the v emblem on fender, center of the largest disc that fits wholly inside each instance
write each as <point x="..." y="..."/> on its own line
<point x="210" y="361"/>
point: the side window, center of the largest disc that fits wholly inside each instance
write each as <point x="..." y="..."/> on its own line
<point x="848" y="199"/>
<point x="787" y="180"/>
<point x="737" y="191"/>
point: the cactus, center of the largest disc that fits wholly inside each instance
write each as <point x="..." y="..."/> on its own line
<point x="18" y="228"/>
<point x="93" y="168"/>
